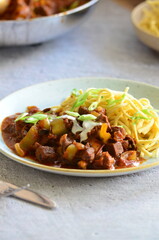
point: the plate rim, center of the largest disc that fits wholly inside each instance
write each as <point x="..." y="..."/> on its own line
<point x="76" y="79"/>
<point x="81" y="172"/>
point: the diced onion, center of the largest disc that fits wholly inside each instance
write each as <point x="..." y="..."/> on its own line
<point x="87" y="126"/>
<point x="76" y="127"/>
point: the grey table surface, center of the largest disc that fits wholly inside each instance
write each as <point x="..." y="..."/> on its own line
<point x="123" y="207"/>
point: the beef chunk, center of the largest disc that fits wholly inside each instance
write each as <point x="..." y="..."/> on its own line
<point x="45" y="154"/>
<point x="43" y="136"/>
<point x="101" y="110"/>
<point x="17" y="129"/>
<point x="94" y="132"/>
<point x="125" y="144"/>
<point x="118" y="133"/>
<point x="46" y="110"/>
<point x="115" y="149"/>
<point x="22" y="128"/>
<point x="87" y="154"/>
<point x="128" y="159"/>
<point x="96" y="144"/>
<point x="24" y="131"/>
<point x="46" y="138"/>
<point x="10" y="128"/>
<point x="33" y="109"/>
<point x="68" y="123"/>
<point x="104" y="119"/>
<point x="43" y="132"/>
<point x="106" y="161"/>
<point x="83" y="110"/>
<point x="52" y="140"/>
<point x="132" y="142"/>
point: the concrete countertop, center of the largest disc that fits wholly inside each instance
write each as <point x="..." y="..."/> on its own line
<point x="123" y="208"/>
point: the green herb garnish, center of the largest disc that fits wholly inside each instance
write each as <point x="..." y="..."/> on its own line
<point x="80" y="100"/>
<point x="112" y="102"/>
<point x="87" y="117"/>
<point x="21" y="117"/>
<point x="75" y="92"/>
<point x="32" y="118"/>
<point x="93" y="106"/>
<point x="35" y="118"/>
<point x="83" y="97"/>
<point x="73" y="114"/>
<point x="94" y="92"/>
<point x="139" y="117"/>
<point x="146" y="111"/>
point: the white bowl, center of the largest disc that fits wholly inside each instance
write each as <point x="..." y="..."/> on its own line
<point x="145" y="37"/>
<point x="34" y="31"/>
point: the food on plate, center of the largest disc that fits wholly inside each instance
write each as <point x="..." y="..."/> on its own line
<point x="91" y="129"/>
<point x="150" y="19"/>
<point x="27" y="9"/>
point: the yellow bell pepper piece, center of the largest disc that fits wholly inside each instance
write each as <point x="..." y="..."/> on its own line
<point x="103" y="134"/>
<point x="70" y="152"/>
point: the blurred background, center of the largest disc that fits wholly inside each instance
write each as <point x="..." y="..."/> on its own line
<point x="104" y="44"/>
<point x="130" y="3"/>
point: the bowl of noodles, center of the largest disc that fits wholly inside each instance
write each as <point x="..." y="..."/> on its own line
<point x="32" y="22"/>
<point x="145" y="18"/>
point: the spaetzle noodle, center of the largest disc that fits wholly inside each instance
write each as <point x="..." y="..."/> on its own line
<point x="137" y="116"/>
<point x="150" y="20"/>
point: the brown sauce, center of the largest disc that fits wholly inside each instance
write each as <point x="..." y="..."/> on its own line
<point x="52" y="150"/>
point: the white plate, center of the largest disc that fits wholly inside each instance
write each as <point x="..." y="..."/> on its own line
<point x="52" y="93"/>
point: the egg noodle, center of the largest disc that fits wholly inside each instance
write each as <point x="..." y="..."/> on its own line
<point x="150" y="20"/>
<point x="137" y="116"/>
